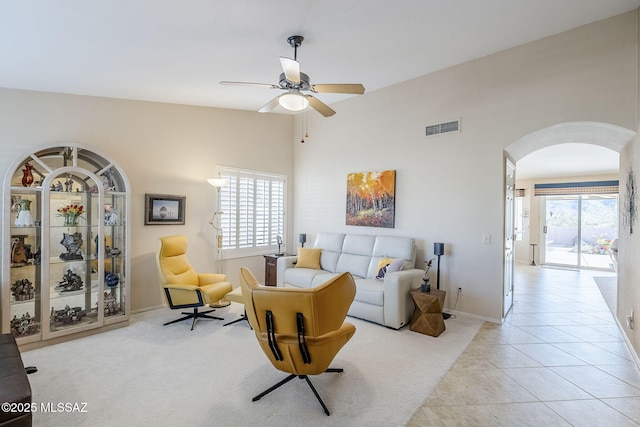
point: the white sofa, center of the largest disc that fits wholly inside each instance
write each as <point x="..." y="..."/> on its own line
<point x="387" y="301"/>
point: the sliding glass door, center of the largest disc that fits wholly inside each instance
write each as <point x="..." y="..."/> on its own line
<point x="561" y="231"/>
<point x="579" y="230"/>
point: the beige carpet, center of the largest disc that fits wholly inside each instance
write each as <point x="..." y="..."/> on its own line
<point x="150" y="375"/>
<point x="608" y="286"/>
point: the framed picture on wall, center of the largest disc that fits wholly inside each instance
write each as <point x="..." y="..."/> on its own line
<point x="371" y="198"/>
<point x="164" y="209"/>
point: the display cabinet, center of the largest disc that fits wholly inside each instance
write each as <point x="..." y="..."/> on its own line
<point x="66" y="251"/>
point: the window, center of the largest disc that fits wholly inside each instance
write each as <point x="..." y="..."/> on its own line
<point x="253" y="206"/>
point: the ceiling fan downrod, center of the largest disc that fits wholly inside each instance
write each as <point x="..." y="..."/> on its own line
<point x="295" y="42"/>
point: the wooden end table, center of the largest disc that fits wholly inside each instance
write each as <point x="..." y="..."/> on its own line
<point x="271" y="269"/>
<point x="427" y="315"/>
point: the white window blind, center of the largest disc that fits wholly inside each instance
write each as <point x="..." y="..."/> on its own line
<point x="253" y="206"/>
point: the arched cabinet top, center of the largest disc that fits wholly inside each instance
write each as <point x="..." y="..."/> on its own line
<point x="48" y="160"/>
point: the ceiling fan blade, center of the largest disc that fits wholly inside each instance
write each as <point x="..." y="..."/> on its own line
<point x="320" y="106"/>
<point x="356" y="89"/>
<point x="270" y="105"/>
<point x="291" y="69"/>
<point x="265" y="85"/>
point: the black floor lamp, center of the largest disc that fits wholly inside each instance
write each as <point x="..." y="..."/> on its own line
<point x="438" y="250"/>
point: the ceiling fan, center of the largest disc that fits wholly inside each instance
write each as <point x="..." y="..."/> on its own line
<point x="295" y="82"/>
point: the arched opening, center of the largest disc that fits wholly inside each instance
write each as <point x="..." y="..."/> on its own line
<point x="566" y="141"/>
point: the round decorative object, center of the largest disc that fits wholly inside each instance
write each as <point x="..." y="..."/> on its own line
<point x="111" y="279"/>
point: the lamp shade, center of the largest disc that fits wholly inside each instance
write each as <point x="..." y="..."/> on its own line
<point x="218" y="182"/>
<point x="293" y="101"/>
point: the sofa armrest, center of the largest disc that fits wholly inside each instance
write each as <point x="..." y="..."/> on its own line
<point x="284" y="262"/>
<point x="398" y="306"/>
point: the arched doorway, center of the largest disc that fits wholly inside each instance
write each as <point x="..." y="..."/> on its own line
<point x="600" y="134"/>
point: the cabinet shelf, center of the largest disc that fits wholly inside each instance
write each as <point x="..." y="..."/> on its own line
<point x="26" y="301"/>
<point x="46" y="252"/>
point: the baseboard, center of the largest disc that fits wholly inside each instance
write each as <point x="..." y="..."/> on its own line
<point x="58" y="340"/>
<point x="636" y="359"/>
<point x="473" y="316"/>
<point x="142" y="310"/>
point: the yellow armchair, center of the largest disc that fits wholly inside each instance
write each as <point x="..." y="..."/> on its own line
<point x="300" y="330"/>
<point x="183" y="287"/>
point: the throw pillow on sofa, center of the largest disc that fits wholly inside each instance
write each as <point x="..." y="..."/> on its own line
<point x="383" y="265"/>
<point x="389" y="265"/>
<point x="309" y="258"/>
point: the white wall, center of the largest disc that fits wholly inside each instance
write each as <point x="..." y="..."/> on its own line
<point x="629" y="249"/>
<point x="629" y="243"/>
<point x="163" y="148"/>
<point x="450" y="187"/>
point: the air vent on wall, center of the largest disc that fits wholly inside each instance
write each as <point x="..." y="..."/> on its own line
<point x="446" y="127"/>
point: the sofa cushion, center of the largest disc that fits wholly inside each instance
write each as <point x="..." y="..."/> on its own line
<point x="358" y="244"/>
<point x="370" y="291"/>
<point x="319" y="279"/>
<point x="329" y="260"/>
<point x="354" y="264"/>
<point x="309" y="258"/>
<point x="356" y="255"/>
<point x="301" y="277"/>
<point x="331" y="244"/>
<point x="392" y="247"/>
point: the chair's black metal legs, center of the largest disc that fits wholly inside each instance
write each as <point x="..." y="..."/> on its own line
<point x="240" y="319"/>
<point x="195" y="316"/>
<point x="270" y="389"/>
<point x="326" y="411"/>
<point x="306" y="378"/>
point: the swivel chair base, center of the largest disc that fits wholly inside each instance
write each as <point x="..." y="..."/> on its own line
<point x="195" y="316"/>
<point x="305" y="377"/>
<point x="240" y="319"/>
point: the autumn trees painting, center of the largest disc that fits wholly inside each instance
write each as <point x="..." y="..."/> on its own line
<point x="371" y="198"/>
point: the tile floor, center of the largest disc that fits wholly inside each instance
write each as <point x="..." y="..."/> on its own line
<point x="558" y="360"/>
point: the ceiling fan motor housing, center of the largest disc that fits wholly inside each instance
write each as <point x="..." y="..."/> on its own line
<point x="302" y="85"/>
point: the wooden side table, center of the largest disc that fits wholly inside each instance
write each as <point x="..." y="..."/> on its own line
<point x="427" y="315"/>
<point x="271" y="269"/>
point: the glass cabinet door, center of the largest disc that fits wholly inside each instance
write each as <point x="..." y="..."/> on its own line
<point x="24" y="261"/>
<point x="115" y="276"/>
<point x="74" y="223"/>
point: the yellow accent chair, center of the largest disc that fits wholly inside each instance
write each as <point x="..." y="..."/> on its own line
<point x="183" y="287"/>
<point x="300" y="330"/>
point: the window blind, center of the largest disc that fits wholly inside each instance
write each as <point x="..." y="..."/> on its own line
<point x="571" y="188"/>
<point x="253" y="206"/>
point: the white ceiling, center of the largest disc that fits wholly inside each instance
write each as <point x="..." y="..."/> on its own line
<point x="178" y="51"/>
<point x="572" y="159"/>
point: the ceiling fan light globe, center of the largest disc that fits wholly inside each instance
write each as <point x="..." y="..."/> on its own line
<point x="293" y="101"/>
